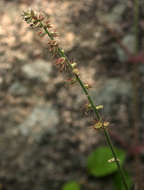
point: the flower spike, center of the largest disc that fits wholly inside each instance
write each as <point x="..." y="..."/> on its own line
<point x="39" y="21"/>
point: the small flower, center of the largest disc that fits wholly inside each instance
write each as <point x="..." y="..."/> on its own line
<point x="41" y="33"/>
<point x="88" y="106"/>
<point x="53" y="46"/>
<point x="32" y="13"/>
<point x="87" y="85"/>
<point x="41" y="17"/>
<point x="62" y="50"/>
<point x="72" y="80"/>
<point x="106" y="123"/>
<point x="74" y="64"/>
<point x="76" y="71"/>
<point x="113" y="160"/>
<point x="52" y="43"/>
<point x="61" y="62"/>
<point x="47" y="25"/>
<point x="98" y="125"/>
<point x="54" y="34"/>
<point x="99" y="107"/>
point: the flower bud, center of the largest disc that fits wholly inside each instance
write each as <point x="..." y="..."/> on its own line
<point x="106" y="123"/>
<point x="99" y="107"/>
<point x="60" y="60"/>
<point x="76" y="72"/>
<point x="32" y="13"/>
<point x="74" y="64"/>
<point x="40" y="17"/>
<point x="98" y="125"/>
<point x="72" y="80"/>
<point x="113" y="160"/>
<point x="87" y="86"/>
<point x="88" y="106"/>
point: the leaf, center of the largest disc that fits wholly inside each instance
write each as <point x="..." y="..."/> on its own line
<point x="71" y="185"/>
<point x="98" y="164"/>
<point x="118" y="182"/>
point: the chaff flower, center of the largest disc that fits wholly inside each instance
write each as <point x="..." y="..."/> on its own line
<point x="61" y="63"/>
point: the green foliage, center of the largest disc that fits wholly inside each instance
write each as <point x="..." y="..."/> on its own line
<point x="71" y="185"/>
<point x="119" y="184"/>
<point x="98" y="164"/>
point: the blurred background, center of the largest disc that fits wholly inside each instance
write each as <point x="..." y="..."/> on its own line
<point x="45" y="134"/>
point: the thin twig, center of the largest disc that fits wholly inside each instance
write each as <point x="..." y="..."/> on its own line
<point x="135" y="100"/>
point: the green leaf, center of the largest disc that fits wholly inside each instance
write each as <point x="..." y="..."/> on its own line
<point x="98" y="161"/>
<point x="118" y="182"/>
<point x="72" y="185"/>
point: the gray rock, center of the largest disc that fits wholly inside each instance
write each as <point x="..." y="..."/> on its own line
<point x="18" y="89"/>
<point x="115" y="15"/>
<point x="39" y="70"/>
<point x="113" y="91"/>
<point x="43" y="118"/>
<point x="129" y="42"/>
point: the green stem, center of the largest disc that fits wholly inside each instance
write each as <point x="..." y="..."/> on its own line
<point x="115" y="157"/>
<point x="107" y="136"/>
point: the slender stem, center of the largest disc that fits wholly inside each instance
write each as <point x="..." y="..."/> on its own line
<point x="135" y="100"/>
<point x="136" y="24"/>
<point x="107" y="136"/>
<point x="115" y="157"/>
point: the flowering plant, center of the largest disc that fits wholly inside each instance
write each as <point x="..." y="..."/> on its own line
<point x="41" y="23"/>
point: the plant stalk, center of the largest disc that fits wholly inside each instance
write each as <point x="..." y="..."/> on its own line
<point x="107" y="136"/>
<point x="135" y="100"/>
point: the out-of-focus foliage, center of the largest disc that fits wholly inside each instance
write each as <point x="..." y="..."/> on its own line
<point x="118" y="183"/>
<point x="71" y="185"/>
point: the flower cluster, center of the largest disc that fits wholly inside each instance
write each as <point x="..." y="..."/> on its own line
<point x="42" y="24"/>
<point x="39" y="21"/>
<point x="100" y="124"/>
